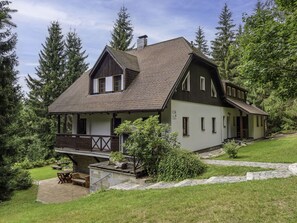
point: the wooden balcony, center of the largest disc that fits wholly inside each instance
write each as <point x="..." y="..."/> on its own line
<point x="87" y="143"/>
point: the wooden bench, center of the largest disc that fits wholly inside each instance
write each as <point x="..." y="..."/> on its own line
<point x="81" y="179"/>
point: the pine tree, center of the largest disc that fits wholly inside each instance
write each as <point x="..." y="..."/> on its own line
<point x="9" y="97"/>
<point x="75" y="59"/>
<point x="221" y="45"/>
<point x="122" y="34"/>
<point x="200" y="41"/>
<point x="48" y="84"/>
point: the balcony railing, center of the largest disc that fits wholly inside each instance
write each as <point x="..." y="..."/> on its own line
<point x="92" y="143"/>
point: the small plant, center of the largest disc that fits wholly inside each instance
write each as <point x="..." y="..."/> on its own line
<point x="179" y="164"/>
<point x="116" y="157"/>
<point x="231" y="148"/>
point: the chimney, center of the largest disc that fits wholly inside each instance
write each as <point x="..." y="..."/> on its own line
<point x="141" y="42"/>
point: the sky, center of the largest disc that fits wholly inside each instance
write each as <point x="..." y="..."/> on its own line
<point x="93" y="21"/>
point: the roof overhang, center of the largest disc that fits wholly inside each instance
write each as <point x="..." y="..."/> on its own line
<point x="242" y="106"/>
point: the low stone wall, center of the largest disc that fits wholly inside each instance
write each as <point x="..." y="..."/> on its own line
<point x="111" y="178"/>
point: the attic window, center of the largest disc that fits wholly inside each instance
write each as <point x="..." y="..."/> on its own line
<point x="101" y="85"/>
<point x="117" y="83"/>
<point x="202" y="83"/>
<point x="213" y="91"/>
<point x="186" y="83"/>
<point x="234" y="92"/>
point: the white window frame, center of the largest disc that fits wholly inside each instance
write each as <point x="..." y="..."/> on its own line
<point x="213" y="91"/>
<point x="186" y="83"/>
<point x="202" y="83"/>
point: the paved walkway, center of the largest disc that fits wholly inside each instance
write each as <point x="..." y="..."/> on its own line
<point x="280" y="170"/>
<point x="49" y="191"/>
<point x="280" y="166"/>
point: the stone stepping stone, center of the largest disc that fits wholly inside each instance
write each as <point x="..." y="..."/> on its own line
<point x="225" y="179"/>
<point x="263" y="175"/>
<point x="126" y="186"/>
<point x="161" y="185"/>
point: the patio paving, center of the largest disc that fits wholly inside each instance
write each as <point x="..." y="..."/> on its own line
<point x="49" y="191"/>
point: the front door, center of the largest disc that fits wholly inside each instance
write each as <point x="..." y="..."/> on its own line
<point x="244" y="126"/>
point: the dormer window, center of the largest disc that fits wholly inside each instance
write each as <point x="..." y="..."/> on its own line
<point x="186" y="83"/>
<point x="213" y="91"/>
<point x="117" y="83"/>
<point x="234" y="92"/>
<point x="202" y="83"/>
<point x="101" y="85"/>
<point x="229" y="91"/>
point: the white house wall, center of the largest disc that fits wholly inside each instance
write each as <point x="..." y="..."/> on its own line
<point x="254" y="131"/>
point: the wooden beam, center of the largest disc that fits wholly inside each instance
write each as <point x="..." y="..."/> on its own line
<point x="59" y="123"/>
<point x="71" y="158"/>
<point x="96" y="159"/>
<point x="160" y="118"/>
<point x="77" y="123"/>
<point x="65" y="124"/>
<point x="241" y="125"/>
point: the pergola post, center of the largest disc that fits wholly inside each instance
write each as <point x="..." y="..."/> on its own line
<point x="65" y="124"/>
<point x="59" y="123"/>
<point x="241" y="125"/>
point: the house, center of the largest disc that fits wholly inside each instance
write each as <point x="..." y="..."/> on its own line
<point x="170" y="79"/>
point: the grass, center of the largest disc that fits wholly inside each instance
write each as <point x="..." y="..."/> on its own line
<point x="214" y="170"/>
<point x="256" y="201"/>
<point x="278" y="150"/>
<point x="43" y="173"/>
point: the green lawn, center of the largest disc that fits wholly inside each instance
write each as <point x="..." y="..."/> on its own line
<point x="279" y="150"/>
<point x="43" y="173"/>
<point x="255" y="201"/>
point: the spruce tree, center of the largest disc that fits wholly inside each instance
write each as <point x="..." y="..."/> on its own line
<point x="48" y="85"/>
<point x="9" y="97"/>
<point x="75" y="59"/>
<point x="122" y="34"/>
<point x="221" y="45"/>
<point x="200" y="41"/>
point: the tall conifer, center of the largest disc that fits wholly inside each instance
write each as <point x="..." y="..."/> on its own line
<point x="122" y="34"/>
<point x="200" y="41"/>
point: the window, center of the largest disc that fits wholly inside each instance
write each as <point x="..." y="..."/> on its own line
<point x="242" y="95"/>
<point x="82" y="126"/>
<point x="261" y="120"/>
<point x="214" y="125"/>
<point x="233" y="92"/>
<point x="186" y="83"/>
<point x="224" y="122"/>
<point x="257" y="120"/>
<point x="108" y="84"/>
<point x="234" y="120"/>
<point x="117" y="83"/>
<point x="95" y="86"/>
<point x="238" y="94"/>
<point x="101" y="85"/>
<point x="185" y="126"/>
<point x="213" y="91"/>
<point x="229" y="91"/>
<point x="202" y="83"/>
<point x="202" y="124"/>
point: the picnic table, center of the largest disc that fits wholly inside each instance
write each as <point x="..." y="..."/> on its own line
<point x="64" y="176"/>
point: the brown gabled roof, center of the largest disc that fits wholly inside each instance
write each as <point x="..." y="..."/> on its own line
<point x="249" y="109"/>
<point x="160" y="68"/>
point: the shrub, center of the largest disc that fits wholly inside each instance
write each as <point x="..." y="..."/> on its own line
<point x="148" y="141"/>
<point x="22" y="179"/>
<point x="26" y="164"/>
<point x="231" y="148"/>
<point x="179" y="164"/>
<point x="116" y="157"/>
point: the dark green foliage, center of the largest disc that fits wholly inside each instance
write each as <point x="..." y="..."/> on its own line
<point x="9" y="97"/>
<point x="122" y="34"/>
<point x="221" y="45"/>
<point x="75" y="59"/>
<point x="200" y="41"/>
<point x="148" y="141"/>
<point x="179" y="164"/>
<point x="231" y="148"/>
<point x="268" y="64"/>
<point x="46" y="87"/>
<point x="22" y="179"/>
